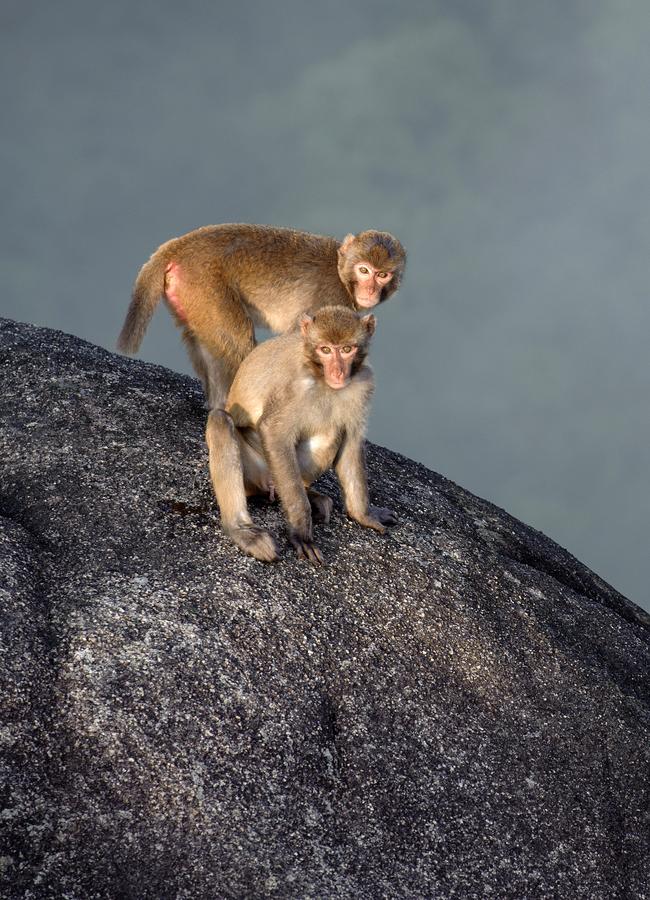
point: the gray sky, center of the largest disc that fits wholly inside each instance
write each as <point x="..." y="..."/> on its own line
<point x="506" y="144"/>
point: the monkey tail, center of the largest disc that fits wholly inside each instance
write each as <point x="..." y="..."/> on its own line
<point x="148" y="289"/>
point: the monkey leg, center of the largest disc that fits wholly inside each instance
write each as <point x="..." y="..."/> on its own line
<point x="227" y="475"/>
<point x="218" y="332"/>
<point x="321" y="506"/>
<point x="213" y="374"/>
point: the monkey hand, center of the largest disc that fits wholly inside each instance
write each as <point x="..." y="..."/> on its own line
<point x="305" y="548"/>
<point x="255" y="541"/>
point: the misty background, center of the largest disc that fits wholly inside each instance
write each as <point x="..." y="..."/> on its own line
<point x="506" y="143"/>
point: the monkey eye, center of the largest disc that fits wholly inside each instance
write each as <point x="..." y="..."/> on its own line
<point x="382" y="274"/>
<point x="363" y="270"/>
<point x="347" y="348"/>
<point x="325" y="349"/>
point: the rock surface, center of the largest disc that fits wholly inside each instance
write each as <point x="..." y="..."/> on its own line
<point x="460" y="709"/>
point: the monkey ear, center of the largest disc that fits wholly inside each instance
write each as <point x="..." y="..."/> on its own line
<point x="305" y="322"/>
<point x="346" y="243"/>
<point x="369" y="322"/>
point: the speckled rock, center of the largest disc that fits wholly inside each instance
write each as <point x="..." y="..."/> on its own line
<point x="460" y="709"/>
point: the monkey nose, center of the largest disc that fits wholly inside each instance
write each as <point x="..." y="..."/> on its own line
<point x="337" y="375"/>
<point x="337" y="382"/>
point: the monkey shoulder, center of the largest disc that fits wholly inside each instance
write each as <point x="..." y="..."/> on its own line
<point x="269" y="360"/>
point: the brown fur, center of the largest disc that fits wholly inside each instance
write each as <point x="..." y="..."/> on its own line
<point x="380" y="249"/>
<point x="221" y="281"/>
<point x="284" y="426"/>
<point x="332" y="326"/>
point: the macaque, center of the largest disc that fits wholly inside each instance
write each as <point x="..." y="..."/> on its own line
<point x="297" y="407"/>
<point x="221" y="281"/>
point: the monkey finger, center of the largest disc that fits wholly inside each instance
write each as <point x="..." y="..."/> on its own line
<point x="307" y="550"/>
<point x="314" y="555"/>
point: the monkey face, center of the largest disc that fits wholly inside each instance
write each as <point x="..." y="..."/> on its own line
<point x="370" y="266"/>
<point x="336" y="361"/>
<point x="369" y="283"/>
<point x="336" y="343"/>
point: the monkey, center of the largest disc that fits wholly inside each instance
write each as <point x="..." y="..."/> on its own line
<point x="221" y="281"/>
<point x="297" y="406"/>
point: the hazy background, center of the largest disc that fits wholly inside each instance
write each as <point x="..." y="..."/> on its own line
<point x="506" y="142"/>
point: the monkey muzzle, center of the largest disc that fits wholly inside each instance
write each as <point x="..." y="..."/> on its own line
<point x="337" y="371"/>
<point x="369" y="299"/>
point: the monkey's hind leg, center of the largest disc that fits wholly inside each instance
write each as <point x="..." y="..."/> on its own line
<point x="321" y="506"/>
<point x="213" y="374"/>
<point x="227" y="474"/>
<point x="218" y="332"/>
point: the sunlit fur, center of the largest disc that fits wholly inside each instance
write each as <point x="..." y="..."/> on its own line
<point x="222" y="281"/>
<point x="381" y="250"/>
<point x="286" y="426"/>
<point x="334" y="325"/>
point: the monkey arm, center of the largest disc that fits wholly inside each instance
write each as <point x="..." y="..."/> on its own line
<point x="350" y="466"/>
<point x="282" y="460"/>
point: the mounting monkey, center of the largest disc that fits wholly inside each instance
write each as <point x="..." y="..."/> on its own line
<point x="221" y="281"/>
<point x="297" y="406"/>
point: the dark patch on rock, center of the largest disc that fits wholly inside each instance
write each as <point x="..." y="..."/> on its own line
<point x="459" y="709"/>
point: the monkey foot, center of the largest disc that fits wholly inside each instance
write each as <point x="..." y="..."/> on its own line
<point x="306" y="549"/>
<point x="321" y="507"/>
<point x="255" y="541"/>
<point x="383" y="515"/>
<point x="377" y="518"/>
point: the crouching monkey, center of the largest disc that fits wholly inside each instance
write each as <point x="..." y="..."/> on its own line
<point x="298" y="406"/>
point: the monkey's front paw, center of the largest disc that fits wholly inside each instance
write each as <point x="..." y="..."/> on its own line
<point x="255" y="541"/>
<point x="306" y="549"/>
<point x="383" y="515"/>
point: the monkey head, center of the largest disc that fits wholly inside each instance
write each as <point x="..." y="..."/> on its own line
<point x="336" y="343"/>
<point x="370" y="266"/>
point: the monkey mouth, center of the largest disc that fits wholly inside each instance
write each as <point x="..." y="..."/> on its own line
<point x="335" y="384"/>
<point x="368" y="302"/>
